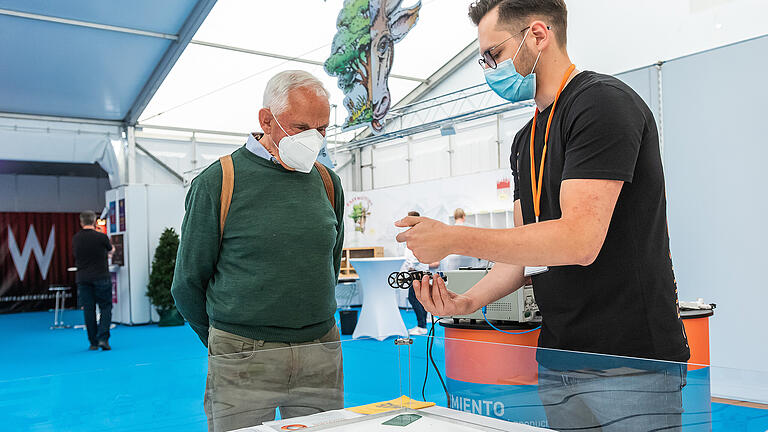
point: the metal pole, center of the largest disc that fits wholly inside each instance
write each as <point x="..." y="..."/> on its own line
<point x="408" y="159"/>
<point x="498" y="140"/>
<point x="288" y="58"/>
<point x="131" y="156"/>
<point x="659" y="79"/>
<point x="194" y="151"/>
<point x="87" y="24"/>
<point x="357" y="170"/>
<point x="336" y="130"/>
<point x="451" y="140"/>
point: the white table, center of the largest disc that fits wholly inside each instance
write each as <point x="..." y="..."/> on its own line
<point x="380" y="317"/>
<point x="432" y="419"/>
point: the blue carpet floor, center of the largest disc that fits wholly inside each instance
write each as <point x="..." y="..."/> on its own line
<point x="153" y="379"/>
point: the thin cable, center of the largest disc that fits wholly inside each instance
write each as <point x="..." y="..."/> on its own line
<point x="431" y="344"/>
<point x="426" y="373"/>
<point x="230" y="85"/>
<point x="509" y="333"/>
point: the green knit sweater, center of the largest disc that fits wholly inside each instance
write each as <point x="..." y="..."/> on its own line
<point x="274" y="276"/>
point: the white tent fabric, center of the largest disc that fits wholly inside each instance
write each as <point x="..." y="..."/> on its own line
<point x="211" y="88"/>
<point x="56" y="142"/>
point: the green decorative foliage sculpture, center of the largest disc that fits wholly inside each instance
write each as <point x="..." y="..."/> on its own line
<point x="362" y="53"/>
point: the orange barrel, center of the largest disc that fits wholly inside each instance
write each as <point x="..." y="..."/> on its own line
<point x="490" y="372"/>
<point x="696" y="323"/>
<point x="478" y="354"/>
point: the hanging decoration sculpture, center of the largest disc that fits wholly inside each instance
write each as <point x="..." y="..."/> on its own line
<point x="362" y="54"/>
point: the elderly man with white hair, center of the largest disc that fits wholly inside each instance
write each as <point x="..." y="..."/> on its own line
<point x="258" y="264"/>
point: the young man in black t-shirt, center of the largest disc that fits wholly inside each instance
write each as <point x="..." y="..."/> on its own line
<point x="590" y="224"/>
<point x="94" y="284"/>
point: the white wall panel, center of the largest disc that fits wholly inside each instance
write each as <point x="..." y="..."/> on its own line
<point x="430" y="158"/>
<point x="344" y="169"/>
<point x="390" y="165"/>
<point x="475" y="148"/>
<point x="510" y="125"/>
<point x="366" y="162"/>
<point x="149" y="172"/>
<point x="436" y="199"/>
<point x="208" y="153"/>
<point x="182" y="155"/>
<point x="714" y="154"/>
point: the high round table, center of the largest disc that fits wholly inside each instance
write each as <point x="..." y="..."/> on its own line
<point x="380" y="317"/>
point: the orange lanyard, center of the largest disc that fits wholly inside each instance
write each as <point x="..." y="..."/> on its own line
<point x="536" y="185"/>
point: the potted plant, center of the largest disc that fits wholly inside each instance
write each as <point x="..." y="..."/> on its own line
<point x="161" y="278"/>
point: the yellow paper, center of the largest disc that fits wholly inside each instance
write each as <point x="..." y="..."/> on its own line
<point x="401" y="402"/>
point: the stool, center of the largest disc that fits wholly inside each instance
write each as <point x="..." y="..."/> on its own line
<point x="58" y="311"/>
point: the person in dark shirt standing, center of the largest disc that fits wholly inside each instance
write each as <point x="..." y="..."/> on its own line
<point x="94" y="285"/>
<point x="590" y="228"/>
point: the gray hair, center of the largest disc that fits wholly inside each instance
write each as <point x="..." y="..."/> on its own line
<point x="278" y="87"/>
<point x="88" y="217"/>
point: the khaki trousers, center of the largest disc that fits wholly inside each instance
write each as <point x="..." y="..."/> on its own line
<point x="248" y="379"/>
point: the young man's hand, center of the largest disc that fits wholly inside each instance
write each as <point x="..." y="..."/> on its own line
<point x="438" y="300"/>
<point x="428" y="239"/>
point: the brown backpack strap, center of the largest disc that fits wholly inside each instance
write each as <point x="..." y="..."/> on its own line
<point x="326" y="176"/>
<point x="227" y="187"/>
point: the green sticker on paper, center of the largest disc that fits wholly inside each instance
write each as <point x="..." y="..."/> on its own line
<point x="402" y="420"/>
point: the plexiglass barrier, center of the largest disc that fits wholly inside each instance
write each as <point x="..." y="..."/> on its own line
<point x="355" y="385"/>
<point x="569" y="391"/>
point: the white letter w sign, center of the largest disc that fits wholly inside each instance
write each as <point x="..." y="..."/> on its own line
<point x="21" y="259"/>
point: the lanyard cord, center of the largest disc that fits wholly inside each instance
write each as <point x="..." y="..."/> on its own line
<point x="536" y="185"/>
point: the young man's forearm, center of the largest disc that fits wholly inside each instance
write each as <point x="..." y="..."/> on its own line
<point x="501" y="280"/>
<point x="550" y="243"/>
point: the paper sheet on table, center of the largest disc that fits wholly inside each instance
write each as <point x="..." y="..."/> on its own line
<point x="318" y="419"/>
<point x="401" y="402"/>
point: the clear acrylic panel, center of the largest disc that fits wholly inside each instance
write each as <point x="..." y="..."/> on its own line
<point x="564" y="390"/>
<point x="364" y="384"/>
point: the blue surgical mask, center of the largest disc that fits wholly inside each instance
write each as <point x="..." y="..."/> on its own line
<point x="506" y="82"/>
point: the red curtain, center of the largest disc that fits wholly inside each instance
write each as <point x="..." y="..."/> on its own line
<point x="22" y="254"/>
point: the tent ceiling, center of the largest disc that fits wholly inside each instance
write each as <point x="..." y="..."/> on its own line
<point x="219" y="81"/>
<point x="91" y="59"/>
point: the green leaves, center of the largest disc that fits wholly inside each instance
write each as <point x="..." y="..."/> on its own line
<point x="163" y="265"/>
<point x="357" y="212"/>
<point x="349" y="52"/>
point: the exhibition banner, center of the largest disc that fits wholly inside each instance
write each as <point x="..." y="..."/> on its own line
<point x="35" y="252"/>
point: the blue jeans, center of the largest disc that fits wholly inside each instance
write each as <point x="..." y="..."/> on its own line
<point x="89" y="294"/>
<point x="421" y="313"/>
<point x="616" y="399"/>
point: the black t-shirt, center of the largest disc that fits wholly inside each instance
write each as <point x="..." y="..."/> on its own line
<point x="625" y="303"/>
<point x="90" y="248"/>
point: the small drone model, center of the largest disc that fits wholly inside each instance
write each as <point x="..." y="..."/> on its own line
<point x="404" y="280"/>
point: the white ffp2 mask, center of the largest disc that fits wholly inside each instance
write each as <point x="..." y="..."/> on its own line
<point x="300" y="151"/>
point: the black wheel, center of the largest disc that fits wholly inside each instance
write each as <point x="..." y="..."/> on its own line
<point x="392" y="280"/>
<point x="404" y="280"/>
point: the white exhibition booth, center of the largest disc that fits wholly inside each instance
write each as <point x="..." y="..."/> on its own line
<point x="137" y="216"/>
